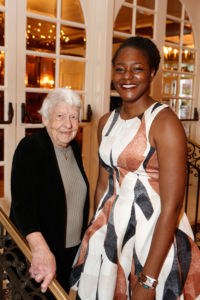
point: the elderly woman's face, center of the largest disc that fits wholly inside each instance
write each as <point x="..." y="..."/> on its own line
<point x="62" y="124"/>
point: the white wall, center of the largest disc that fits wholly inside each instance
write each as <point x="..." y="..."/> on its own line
<point x="100" y="24"/>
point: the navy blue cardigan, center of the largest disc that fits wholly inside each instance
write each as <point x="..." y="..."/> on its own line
<point x="38" y="195"/>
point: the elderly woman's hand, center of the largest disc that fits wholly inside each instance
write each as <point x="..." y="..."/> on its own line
<point x="43" y="265"/>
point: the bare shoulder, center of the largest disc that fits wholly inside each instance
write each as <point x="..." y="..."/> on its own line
<point x="101" y="125"/>
<point x="166" y="128"/>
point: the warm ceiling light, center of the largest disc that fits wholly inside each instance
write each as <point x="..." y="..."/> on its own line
<point x="170" y="49"/>
<point x="49" y="36"/>
<point x="28" y="31"/>
<point x="29" y="26"/>
<point x="39" y="24"/>
<point x="165" y="50"/>
<point x="175" y="50"/>
<point x="67" y="39"/>
<point x="186" y="51"/>
<point x="50" y="30"/>
<point x="38" y="30"/>
<point x="53" y="26"/>
<point x="33" y="36"/>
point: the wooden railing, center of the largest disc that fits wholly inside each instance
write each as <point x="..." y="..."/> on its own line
<point x="14" y="271"/>
<point x="193" y="173"/>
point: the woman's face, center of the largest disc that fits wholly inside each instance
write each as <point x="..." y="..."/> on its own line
<point x="132" y="74"/>
<point x="62" y="124"/>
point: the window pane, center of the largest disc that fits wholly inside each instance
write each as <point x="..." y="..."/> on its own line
<point x="172" y="33"/>
<point x="117" y="41"/>
<point x="188" y="61"/>
<point x="71" y="11"/>
<point x="123" y="21"/>
<point x="72" y="41"/>
<point x="1" y="144"/>
<point x="2" y="25"/>
<point x="144" y="24"/>
<point x="174" y="8"/>
<point x="40" y="72"/>
<point x="170" y="102"/>
<point x="184" y="109"/>
<point x="169" y="84"/>
<point x="72" y="74"/>
<point x="30" y="131"/>
<point x="40" y="35"/>
<point x="83" y="101"/>
<point x="171" y="56"/>
<point x="146" y="3"/>
<point x="186" y="85"/>
<point x="2" y="67"/>
<point x="186" y="16"/>
<point x="44" y="7"/>
<point x="1" y="182"/>
<point x="2" y="2"/>
<point x="33" y="104"/>
<point x="1" y="106"/>
<point x="188" y="37"/>
<point x="187" y="128"/>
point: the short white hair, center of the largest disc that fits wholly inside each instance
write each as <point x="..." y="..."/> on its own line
<point x="60" y="95"/>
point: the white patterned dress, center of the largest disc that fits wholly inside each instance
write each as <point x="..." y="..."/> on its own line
<point x="117" y="241"/>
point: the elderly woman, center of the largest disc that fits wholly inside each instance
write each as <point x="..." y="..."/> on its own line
<point x="50" y="197"/>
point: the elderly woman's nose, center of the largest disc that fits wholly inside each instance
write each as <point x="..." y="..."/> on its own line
<point x="67" y="123"/>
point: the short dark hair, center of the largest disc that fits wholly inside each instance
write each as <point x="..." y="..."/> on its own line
<point x="148" y="48"/>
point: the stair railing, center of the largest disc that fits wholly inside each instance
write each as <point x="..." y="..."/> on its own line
<point x="193" y="167"/>
<point x="14" y="271"/>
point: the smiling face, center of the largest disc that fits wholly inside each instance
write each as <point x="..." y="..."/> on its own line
<point x="62" y="124"/>
<point x="132" y="74"/>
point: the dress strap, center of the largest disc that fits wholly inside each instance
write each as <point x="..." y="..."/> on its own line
<point x="152" y="113"/>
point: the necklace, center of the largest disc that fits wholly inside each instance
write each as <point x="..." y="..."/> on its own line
<point x="64" y="152"/>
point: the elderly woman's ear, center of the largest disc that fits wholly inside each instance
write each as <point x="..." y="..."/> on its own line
<point x="44" y="121"/>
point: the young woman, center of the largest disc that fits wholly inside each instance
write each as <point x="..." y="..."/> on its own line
<point x="139" y="244"/>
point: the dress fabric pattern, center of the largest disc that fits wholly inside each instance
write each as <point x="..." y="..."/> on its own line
<point x="117" y="241"/>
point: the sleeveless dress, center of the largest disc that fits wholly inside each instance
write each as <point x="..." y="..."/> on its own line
<point x="117" y="241"/>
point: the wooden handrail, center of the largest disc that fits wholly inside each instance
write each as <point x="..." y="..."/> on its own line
<point x="54" y="286"/>
<point x="192" y="142"/>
